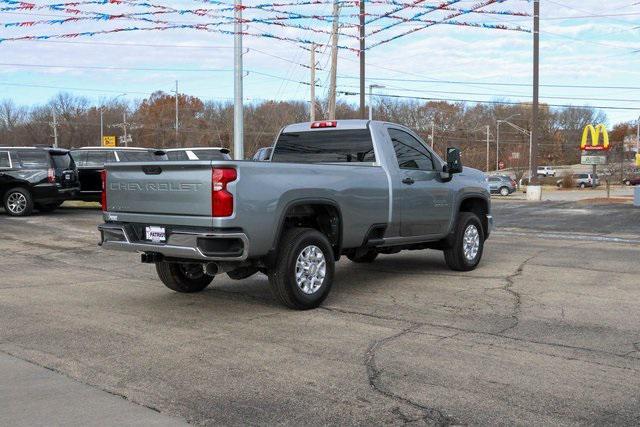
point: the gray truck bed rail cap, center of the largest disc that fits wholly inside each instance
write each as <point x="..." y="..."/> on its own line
<point x="341" y="125"/>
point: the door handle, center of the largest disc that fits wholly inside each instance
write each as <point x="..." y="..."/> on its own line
<point x="408" y="181"/>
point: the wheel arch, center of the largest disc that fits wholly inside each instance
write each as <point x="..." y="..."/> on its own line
<point x="478" y="205"/>
<point x="315" y="213"/>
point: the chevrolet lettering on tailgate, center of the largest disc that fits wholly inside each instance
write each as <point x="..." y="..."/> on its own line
<point x="156" y="186"/>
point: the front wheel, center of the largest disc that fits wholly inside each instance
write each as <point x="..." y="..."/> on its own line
<point x="504" y="191"/>
<point x="627" y="183"/>
<point x="303" y="272"/>
<point x="465" y="250"/>
<point x="582" y="185"/>
<point x="183" y="277"/>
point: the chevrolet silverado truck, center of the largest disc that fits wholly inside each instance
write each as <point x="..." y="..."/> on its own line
<point x="351" y="187"/>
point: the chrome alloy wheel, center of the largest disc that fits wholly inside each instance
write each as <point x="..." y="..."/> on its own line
<point x="16" y="203"/>
<point x="311" y="269"/>
<point x="471" y="242"/>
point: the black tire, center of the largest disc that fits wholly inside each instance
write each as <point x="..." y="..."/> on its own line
<point x="627" y="183"/>
<point x="582" y="185"/>
<point x="18" y="202"/>
<point x="364" y="258"/>
<point x="49" y="207"/>
<point x="454" y="255"/>
<point x="282" y="276"/>
<point x="504" y="191"/>
<point x="183" y="277"/>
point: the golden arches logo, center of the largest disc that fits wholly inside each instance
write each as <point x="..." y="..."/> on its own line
<point x="595" y="133"/>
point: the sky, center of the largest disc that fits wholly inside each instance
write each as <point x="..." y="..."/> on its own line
<point x="590" y="52"/>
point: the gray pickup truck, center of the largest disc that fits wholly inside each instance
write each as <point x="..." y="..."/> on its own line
<point x="351" y="187"/>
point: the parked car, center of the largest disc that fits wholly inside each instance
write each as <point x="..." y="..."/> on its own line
<point x="36" y="178"/>
<point x="351" y="187"/>
<point x="501" y="184"/>
<point x="196" y="153"/>
<point x="263" y="154"/>
<point x="582" y="180"/>
<point x="632" y="179"/>
<point x="546" y="171"/>
<point x="91" y="160"/>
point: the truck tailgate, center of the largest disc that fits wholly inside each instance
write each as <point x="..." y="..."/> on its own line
<point x="164" y="188"/>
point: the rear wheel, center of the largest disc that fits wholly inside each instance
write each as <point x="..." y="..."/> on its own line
<point x="18" y="202"/>
<point x="467" y="243"/>
<point x="303" y="272"/>
<point x="183" y="277"/>
<point x="365" y="257"/>
<point x="582" y="185"/>
<point x="627" y="183"/>
<point x="504" y="191"/>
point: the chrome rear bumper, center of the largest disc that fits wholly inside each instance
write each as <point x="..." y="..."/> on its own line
<point x="184" y="244"/>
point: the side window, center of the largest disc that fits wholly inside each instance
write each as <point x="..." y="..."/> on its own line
<point x="411" y="154"/>
<point x="34" y="159"/>
<point x="96" y="158"/>
<point x="493" y="179"/>
<point x="5" y="160"/>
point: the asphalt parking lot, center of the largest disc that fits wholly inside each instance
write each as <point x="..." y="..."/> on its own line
<point x="545" y="331"/>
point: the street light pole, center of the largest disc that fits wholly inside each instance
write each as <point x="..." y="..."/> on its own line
<point x="238" y="108"/>
<point x="488" y="148"/>
<point x="638" y="138"/>
<point x="371" y="87"/>
<point x="497" y="143"/>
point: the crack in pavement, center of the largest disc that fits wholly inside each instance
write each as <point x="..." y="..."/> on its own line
<point x="376" y="383"/>
<point x="508" y="287"/>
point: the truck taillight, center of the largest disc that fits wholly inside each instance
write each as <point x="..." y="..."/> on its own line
<point x="324" y="124"/>
<point x="221" y="198"/>
<point x="103" y="199"/>
<point x="51" y="176"/>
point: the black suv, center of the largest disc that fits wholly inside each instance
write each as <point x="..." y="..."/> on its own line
<point x="91" y="160"/>
<point x="40" y="178"/>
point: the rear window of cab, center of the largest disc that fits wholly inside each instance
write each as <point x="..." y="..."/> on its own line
<point x="326" y="146"/>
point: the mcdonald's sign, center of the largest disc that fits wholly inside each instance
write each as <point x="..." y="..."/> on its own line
<point x="595" y="133"/>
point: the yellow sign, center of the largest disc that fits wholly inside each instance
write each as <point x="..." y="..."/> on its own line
<point x="108" y="141"/>
<point x="595" y="133"/>
<point x="638" y="160"/>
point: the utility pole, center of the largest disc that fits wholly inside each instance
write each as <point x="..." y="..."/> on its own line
<point x="101" y="125"/>
<point x="176" y="113"/>
<point x="334" y="61"/>
<point x="312" y="90"/>
<point x="362" y="64"/>
<point x="536" y="91"/>
<point x="488" y="131"/>
<point x="54" y="125"/>
<point x="238" y="108"/>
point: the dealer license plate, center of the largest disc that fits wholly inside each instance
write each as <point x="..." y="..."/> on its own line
<point x="156" y="234"/>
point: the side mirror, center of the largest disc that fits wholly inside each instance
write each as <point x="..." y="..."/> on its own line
<point x="454" y="163"/>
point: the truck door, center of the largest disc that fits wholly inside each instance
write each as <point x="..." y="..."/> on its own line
<point x="425" y="201"/>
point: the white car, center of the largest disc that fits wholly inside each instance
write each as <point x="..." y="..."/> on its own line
<point x="546" y="171"/>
